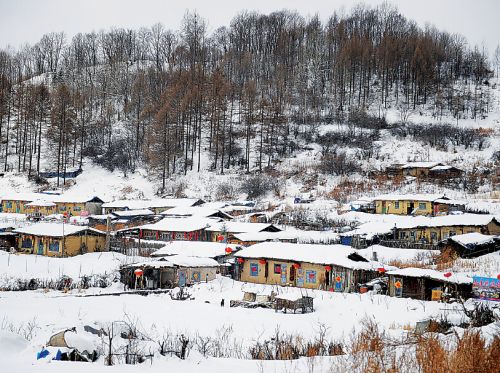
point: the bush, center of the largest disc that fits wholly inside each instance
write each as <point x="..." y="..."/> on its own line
<point x="339" y="164"/>
<point x="257" y="186"/>
<point x="360" y="118"/>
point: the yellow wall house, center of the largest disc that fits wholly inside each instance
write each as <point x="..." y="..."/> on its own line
<point x="47" y="204"/>
<point x="54" y="239"/>
<point x="329" y="267"/>
<point x="416" y="204"/>
<point x="16" y="202"/>
<point x="433" y="230"/>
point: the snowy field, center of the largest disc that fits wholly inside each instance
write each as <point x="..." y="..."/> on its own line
<point x="341" y="313"/>
<point x="29" y="318"/>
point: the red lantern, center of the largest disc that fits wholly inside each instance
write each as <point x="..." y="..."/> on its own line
<point x="381" y="269"/>
<point x="262" y="261"/>
<point x="498" y="276"/>
<point x="338" y="279"/>
<point x="240" y="260"/>
<point x="328" y="268"/>
<point x="447" y="274"/>
<point x="220" y="237"/>
<point x="229" y="250"/>
<point x="138" y="272"/>
<point x="296" y="265"/>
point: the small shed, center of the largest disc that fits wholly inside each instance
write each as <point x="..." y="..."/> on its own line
<point x="471" y="245"/>
<point x="169" y="272"/>
<point x="428" y="284"/>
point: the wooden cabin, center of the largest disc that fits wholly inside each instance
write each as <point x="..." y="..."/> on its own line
<point x="163" y="204"/>
<point x="328" y="267"/>
<point x="217" y="251"/>
<point x="252" y="238"/>
<point x="428" y="284"/>
<point x="416" y="204"/>
<point x="54" y="239"/>
<point x="168" y="273"/>
<point x="444" y="172"/>
<point x="418" y="169"/>
<point x="470" y="245"/>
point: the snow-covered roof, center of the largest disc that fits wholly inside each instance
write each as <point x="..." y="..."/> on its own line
<point x="421" y="164"/>
<point x="473" y="239"/>
<point x="61" y="198"/>
<point x="441" y="168"/>
<point x="373" y="228"/>
<point x="265" y="236"/>
<point x="41" y="203"/>
<point x="238" y="227"/>
<point x="126" y="213"/>
<point x="408" y="197"/>
<point x="173" y="202"/>
<point x="188" y="224"/>
<point x="132" y="204"/>
<point x="388" y="254"/>
<point x="457" y="278"/>
<point x="191" y="261"/>
<point x="54" y="229"/>
<point x="200" y="211"/>
<point x="309" y="253"/>
<point x="200" y="249"/>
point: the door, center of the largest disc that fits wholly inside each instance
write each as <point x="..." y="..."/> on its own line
<point x="292" y="273"/>
<point x="182" y="278"/>
<point x="410" y="208"/>
<point x="40" y="247"/>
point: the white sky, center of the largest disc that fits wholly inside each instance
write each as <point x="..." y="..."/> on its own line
<point x="24" y="21"/>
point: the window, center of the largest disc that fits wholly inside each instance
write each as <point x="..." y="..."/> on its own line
<point x="77" y="208"/>
<point x="402" y="235"/>
<point x="434" y="236"/>
<point x="54" y="246"/>
<point x="311" y="277"/>
<point x="62" y="208"/>
<point x="27" y="243"/>
<point x="452" y="233"/>
<point x="422" y="206"/>
<point x="254" y="269"/>
<point x="412" y="233"/>
<point x="277" y="269"/>
<point x="396" y="205"/>
<point x="8" y="204"/>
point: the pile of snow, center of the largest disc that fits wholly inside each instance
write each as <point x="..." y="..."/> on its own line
<point x="457" y="278"/>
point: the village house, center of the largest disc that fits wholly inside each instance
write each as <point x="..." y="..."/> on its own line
<point x="163" y="204"/>
<point x="424" y="170"/>
<point x="156" y="205"/>
<point x="433" y="230"/>
<point x="169" y="272"/>
<point x="54" y="239"/>
<point x="119" y="220"/>
<point x="37" y="209"/>
<point x="124" y="205"/>
<point x="197" y="211"/>
<point x="202" y="249"/>
<point x="328" y="267"/>
<point x="428" y="284"/>
<point x="470" y="245"/>
<point x="42" y="204"/>
<point x="78" y="205"/>
<point x="416" y="204"/>
<point x="226" y="230"/>
<point x="16" y="202"/>
<point x="172" y="229"/>
<point x="252" y="238"/>
<point x="412" y="231"/>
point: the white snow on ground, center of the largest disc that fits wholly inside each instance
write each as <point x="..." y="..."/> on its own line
<point x="341" y="313"/>
<point x="21" y="266"/>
